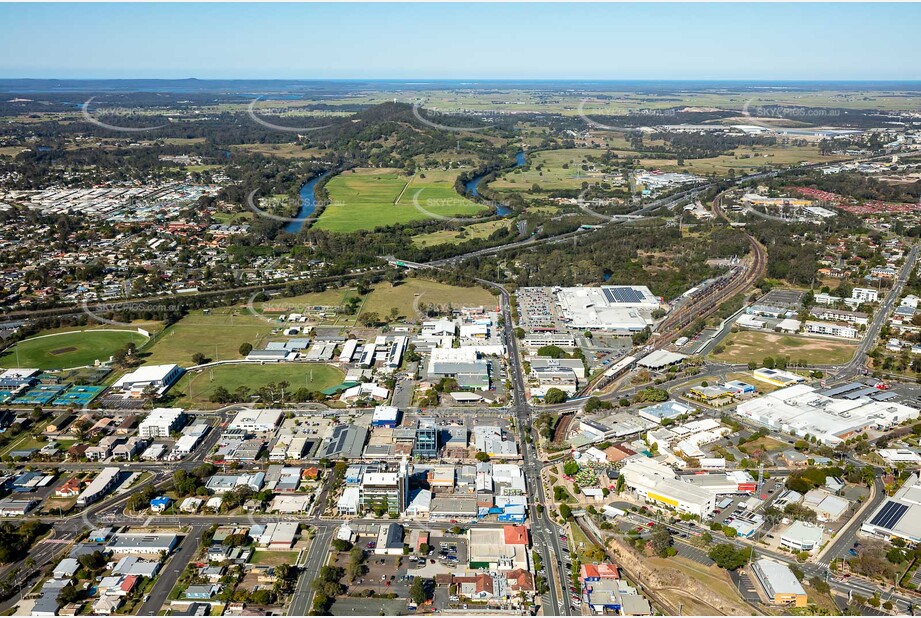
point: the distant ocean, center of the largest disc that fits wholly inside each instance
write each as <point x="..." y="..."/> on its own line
<point x="314" y="87"/>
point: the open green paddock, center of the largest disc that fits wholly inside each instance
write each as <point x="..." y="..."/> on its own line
<point x="216" y="334"/>
<point x="195" y="388"/>
<point x="367" y="198"/>
<point x="69" y="349"/>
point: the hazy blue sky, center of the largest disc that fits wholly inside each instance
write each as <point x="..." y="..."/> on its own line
<point x="530" y="41"/>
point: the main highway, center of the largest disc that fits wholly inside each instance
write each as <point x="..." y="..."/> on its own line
<point x="545" y="533"/>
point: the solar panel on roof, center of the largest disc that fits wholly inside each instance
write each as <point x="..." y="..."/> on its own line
<point x="623" y="295"/>
<point x="889" y="515"/>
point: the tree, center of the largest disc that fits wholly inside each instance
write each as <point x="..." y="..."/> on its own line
<point x="341" y="545"/>
<point x="661" y="540"/>
<point x="418" y="590"/>
<point x="93" y="561"/>
<point x="245" y="348"/>
<point x="552" y="351"/>
<point x="198" y="358"/>
<point x="554" y="396"/>
<point x="369" y="319"/>
<point x="70" y="594"/>
<point x="768" y="362"/>
<point x="565" y="512"/>
<point x="570" y="468"/>
<point x="727" y="557"/>
<point x="483" y="457"/>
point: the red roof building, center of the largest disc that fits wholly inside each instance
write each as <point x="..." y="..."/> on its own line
<point x="515" y="535"/>
<point x="597" y="572"/>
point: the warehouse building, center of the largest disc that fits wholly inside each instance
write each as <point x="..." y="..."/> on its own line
<point x="658" y="483"/>
<point x="779" y="583"/>
<point x="159" y="378"/>
<point x="898" y="517"/>
<point x="256" y="421"/>
<point x="462" y="364"/>
<point x="801" y="410"/>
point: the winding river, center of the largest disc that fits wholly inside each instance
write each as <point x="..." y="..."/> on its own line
<point x="471" y="186"/>
<point x="309" y="198"/>
<point x="308" y="205"/>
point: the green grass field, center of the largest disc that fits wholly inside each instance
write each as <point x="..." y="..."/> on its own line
<point x="304" y="302"/>
<point x="68" y="349"/>
<point x="202" y="383"/>
<point x="552" y="175"/>
<point x="745" y="346"/>
<point x="413" y="292"/>
<point x="218" y="335"/>
<point x="468" y="232"/>
<point x="367" y="198"/>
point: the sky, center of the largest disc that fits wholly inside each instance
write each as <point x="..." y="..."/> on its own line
<point x="462" y="41"/>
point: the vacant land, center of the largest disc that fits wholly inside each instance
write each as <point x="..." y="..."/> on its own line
<point x="306" y="302"/>
<point x="195" y="389"/>
<point x="714" y="579"/>
<point x="274" y="558"/>
<point x="548" y="172"/>
<point x="284" y="151"/>
<point x="366" y="198"/>
<point x="742" y="161"/>
<point x="468" y="232"/>
<point x="69" y="349"/>
<point x="746" y="346"/>
<point x="766" y="443"/>
<point x="218" y="335"/>
<point x="413" y="293"/>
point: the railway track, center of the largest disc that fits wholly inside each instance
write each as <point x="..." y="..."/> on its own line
<point x="705" y="305"/>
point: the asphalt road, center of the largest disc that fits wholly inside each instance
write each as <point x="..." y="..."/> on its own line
<point x="316" y="558"/>
<point x="545" y="533"/>
<point x="171" y="571"/>
<point x="880" y="316"/>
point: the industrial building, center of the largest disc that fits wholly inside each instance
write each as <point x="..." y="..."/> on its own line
<point x="898" y="517"/>
<point x="779" y="583"/>
<point x="158" y="378"/>
<point x="801" y="410"/>
<point x="256" y="421"/>
<point x="625" y="309"/>
<point x="462" y="364"/>
<point x="659" y="484"/>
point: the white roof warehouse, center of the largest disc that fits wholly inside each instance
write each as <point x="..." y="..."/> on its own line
<point x="801" y="410"/>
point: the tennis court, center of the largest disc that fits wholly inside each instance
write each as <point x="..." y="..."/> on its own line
<point x="79" y="396"/>
<point x="40" y="395"/>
